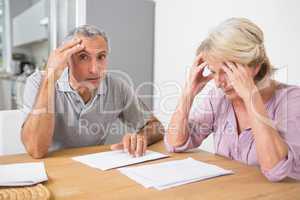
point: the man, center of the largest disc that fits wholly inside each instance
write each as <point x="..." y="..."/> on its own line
<point x="75" y="102"/>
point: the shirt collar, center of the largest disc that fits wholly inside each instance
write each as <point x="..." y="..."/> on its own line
<point x="103" y="86"/>
<point x="64" y="85"/>
<point x="63" y="82"/>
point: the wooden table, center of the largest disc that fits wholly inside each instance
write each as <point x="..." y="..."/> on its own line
<point x="69" y="179"/>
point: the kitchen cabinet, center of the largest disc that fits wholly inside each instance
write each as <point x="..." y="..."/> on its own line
<point x="5" y="91"/>
<point x="17" y="93"/>
<point x="31" y="25"/>
<point x="11" y="90"/>
<point x="10" y="132"/>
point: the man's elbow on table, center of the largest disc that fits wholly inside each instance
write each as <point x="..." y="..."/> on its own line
<point x="38" y="154"/>
<point x="34" y="149"/>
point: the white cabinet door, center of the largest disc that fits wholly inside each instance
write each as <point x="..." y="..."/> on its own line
<point x="31" y="25"/>
<point x="5" y="97"/>
<point x="10" y="132"/>
<point x="19" y="91"/>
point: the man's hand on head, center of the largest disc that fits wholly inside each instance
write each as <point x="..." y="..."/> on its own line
<point x="58" y="58"/>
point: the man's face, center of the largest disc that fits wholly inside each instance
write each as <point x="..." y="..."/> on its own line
<point x="88" y="67"/>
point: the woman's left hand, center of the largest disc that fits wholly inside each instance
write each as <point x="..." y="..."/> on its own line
<point x="240" y="79"/>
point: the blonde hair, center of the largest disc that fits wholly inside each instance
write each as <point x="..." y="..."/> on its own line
<point x="237" y="40"/>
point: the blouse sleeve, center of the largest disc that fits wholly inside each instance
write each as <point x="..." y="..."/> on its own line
<point x="287" y="120"/>
<point x="200" y="124"/>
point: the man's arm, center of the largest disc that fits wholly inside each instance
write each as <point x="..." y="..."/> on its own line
<point x="153" y="130"/>
<point x="37" y="131"/>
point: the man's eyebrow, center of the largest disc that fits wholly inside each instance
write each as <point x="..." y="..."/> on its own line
<point x="83" y="51"/>
<point x="101" y="51"/>
<point x="97" y="52"/>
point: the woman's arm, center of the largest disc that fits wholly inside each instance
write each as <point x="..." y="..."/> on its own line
<point x="178" y="129"/>
<point x="270" y="147"/>
<point x="177" y="133"/>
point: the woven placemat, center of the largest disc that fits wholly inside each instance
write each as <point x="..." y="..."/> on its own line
<point x="36" y="192"/>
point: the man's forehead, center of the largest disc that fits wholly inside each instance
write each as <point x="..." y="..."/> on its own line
<point x="93" y="44"/>
<point x="93" y="50"/>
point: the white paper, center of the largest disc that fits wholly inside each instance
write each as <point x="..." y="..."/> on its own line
<point x="114" y="159"/>
<point x="173" y="173"/>
<point x="22" y="174"/>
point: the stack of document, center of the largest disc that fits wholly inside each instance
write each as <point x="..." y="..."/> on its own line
<point x="115" y="159"/>
<point x="173" y="173"/>
<point x="22" y="174"/>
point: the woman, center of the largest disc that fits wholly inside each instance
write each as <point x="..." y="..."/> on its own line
<point x="254" y="118"/>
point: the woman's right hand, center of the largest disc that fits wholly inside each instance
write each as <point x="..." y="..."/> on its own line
<point x="58" y="58"/>
<point x="196" y="80"/>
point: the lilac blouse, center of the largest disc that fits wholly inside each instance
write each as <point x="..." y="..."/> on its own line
<point x="215" y="115"/>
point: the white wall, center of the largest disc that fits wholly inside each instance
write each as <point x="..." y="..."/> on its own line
<point x="10" y="129"/>
<point x="182" y="24"/>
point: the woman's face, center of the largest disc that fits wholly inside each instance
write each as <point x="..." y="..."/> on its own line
<point x="221" y="79"/>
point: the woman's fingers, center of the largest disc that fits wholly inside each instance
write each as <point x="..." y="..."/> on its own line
<point x="242" y="69"/>
<point x="228" y="72"/>
<point x="198" y="60"/>
<point x="202" y="66"/>
<point x="232" y="67"/>
<point x="199" y="69"/>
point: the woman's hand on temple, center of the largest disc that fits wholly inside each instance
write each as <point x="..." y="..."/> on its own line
<point x="196" y="80"/>
<point x="240" y="79"/>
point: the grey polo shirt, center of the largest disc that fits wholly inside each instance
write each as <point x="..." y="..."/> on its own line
<point x="79" y="124"/>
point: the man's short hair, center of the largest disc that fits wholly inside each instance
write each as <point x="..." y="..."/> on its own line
<point x="86" y="31"/>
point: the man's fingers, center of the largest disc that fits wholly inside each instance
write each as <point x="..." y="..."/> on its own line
<point x="117" y="146"/>
<point x="145" y="144"/>
<point x="73" y="50"/>
<point x="133" y="143"/>
<point x="126" y="143"/>
<point x="139" y="146"/>
<point x="69" y="44"/>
